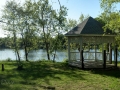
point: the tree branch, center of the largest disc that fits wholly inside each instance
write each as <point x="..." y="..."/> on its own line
<point x="59" y="3"/>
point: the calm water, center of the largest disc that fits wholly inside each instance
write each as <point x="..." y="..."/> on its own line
<point x="33" y="55"/>
<point x="37" y="55"/>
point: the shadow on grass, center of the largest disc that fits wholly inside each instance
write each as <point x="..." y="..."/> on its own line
<point x="4" y="87"/>
<point x="113" y="72"/>
<point x="33" y="71"/>
<point x="43" y="70"/>
<point x="47" y="71"/>
<point x="5" y="83"/>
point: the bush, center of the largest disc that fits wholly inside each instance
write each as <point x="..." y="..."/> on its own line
<point x="65" y="60"/>
<point x="9" y="59"/>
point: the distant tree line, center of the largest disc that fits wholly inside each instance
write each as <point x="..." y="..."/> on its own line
<point x="5" y="43"/>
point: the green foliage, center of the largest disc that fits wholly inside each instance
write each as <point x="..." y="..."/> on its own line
<point x="5" y="43"/>
<point x="82" y="17"/>
<point x="111" y="16"/>
<point x="10" y="16"/>
<point x="8" y="59"/>
<point x="49" y="23"/>
<point x="108" y="5"/>
<point x="59" y="42"/>
<point x="65" y="61"/>
<point x="101" y="20"/>
<point x="70" y="23"/>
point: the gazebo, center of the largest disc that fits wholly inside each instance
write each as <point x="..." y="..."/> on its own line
<point x="90" y="47"/>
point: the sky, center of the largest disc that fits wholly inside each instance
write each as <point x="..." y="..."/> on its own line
<point x="75" y="8"/>
<point x="78" y="7"/>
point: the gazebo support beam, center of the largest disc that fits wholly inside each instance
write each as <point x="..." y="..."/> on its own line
<point x="104" y="59"/>
<point x="102" y="51"/>
<point x="115" y="54"/>
<point x="95" y="53"/>
<point x="81" y="48"/>
<point x="110" y="54"/>
<point x="68" y="50"/>
<point x="82" y="59"/>
<point x="116" y="57"/>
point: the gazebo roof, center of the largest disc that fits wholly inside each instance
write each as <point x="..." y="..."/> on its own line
<point x="89" y="26"/>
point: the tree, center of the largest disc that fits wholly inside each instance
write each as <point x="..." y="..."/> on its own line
<point x="111" y="16"/>
<point x="108" y="5"/>
<point x="34" y="19"/>
<point x="20" y="18"/>
<point x="27" y="28"/>
<point x="70" y="24"/>
<point x="101" y="20"/>
<point x="82" y="18"/>
<point x="10" y="18"/>
<point x="48" y="22"/>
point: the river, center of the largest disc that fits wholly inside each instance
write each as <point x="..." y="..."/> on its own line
<point x="33" y="55"/>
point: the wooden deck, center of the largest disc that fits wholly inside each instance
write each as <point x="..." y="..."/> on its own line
<point x="90" y="64"/>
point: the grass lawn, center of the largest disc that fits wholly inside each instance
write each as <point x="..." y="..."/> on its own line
<point x="43" y="75"/>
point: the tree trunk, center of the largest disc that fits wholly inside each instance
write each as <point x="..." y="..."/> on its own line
<point x="16" y="48"/>
<point x="26" y="53"/>
<point x="45" y="39"/>
<point x="46" y="44"/>
<point x="18" y="55"/>
<point x="47" y="49"/>
<point x="54" y="56"/>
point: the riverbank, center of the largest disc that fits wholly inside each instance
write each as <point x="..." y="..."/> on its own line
<point x="44" y="75"/>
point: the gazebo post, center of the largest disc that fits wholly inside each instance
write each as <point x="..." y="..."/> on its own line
<point x="82" y="63"/>
<point x="95" y="53"/>
<point x="68" y="50"/>
<point x="104" y="59"/>
<point x="114" y="54"/>
<point x="80" y="47"/>
<point x="116" y="57"/>
<point x="102" y="51"/>
<point x="110" y="54"/>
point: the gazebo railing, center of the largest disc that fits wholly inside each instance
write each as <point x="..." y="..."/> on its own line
<point x="74" y="56"/>
<point x="88" y="56"/>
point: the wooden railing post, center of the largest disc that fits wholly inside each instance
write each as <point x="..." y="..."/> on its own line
<point x="82" y="59"/>
<point x="116" y="57"/>
<point x="104" y="59"/>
